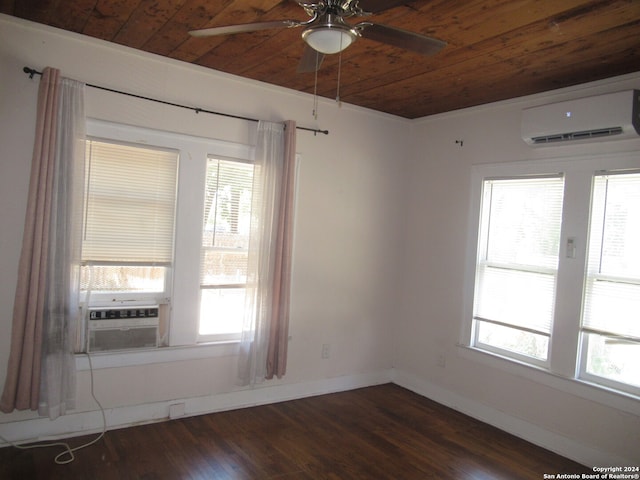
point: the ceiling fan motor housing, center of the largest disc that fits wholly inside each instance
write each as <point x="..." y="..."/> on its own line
<point x="331" y="34"/>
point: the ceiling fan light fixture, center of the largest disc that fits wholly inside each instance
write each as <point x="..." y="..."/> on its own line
<point x="329" y="38"/>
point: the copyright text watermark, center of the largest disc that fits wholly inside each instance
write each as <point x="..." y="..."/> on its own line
<point x="599" y="473"/>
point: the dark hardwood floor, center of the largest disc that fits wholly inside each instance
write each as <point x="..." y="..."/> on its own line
<point x="382" y="432"/>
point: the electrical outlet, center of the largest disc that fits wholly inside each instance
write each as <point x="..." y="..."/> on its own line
<point x="441" y="360"/>
<point x="325" y="350"/>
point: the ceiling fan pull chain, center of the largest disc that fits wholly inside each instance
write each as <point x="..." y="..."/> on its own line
<point x="339" y="74"/>
<point x="315" y="88"/>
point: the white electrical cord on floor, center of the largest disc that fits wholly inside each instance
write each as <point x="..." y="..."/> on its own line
<point x="68" y="451"/>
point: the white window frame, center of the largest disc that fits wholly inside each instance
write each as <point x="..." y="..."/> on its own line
<point x="184" y="289"/>
<point x="563" y="369"/>
<point x="483" y="262"/>
<point x="585" y="331"/>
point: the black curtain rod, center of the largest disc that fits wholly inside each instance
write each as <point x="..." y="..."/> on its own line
<point x="31" y="72"/>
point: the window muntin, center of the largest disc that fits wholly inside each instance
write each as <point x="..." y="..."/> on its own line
<point x="610" y="320"/>
<point x="517" y="265"/>
<point x="129" y="218"/>
<point x="225" y="242"/>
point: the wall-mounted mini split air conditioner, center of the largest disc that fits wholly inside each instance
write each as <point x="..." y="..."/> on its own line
<point x="603" y="117"/>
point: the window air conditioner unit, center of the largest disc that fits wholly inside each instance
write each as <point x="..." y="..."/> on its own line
<point x="606" y="117"/>
<point x="113" y="329"/>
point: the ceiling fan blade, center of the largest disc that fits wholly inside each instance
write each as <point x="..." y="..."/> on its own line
<point x="400" y="38"/>
<point x="375" y="6"/>
<point x="245" y="27"/>
<point x="310" y="61"/>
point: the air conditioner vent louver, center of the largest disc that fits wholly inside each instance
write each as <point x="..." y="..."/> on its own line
<point x="563" y="137"/>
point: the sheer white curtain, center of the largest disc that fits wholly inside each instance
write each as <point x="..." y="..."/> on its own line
<point x="41" y="368"/>
<point x="57" y="380"/>
<point x="263" y="347"/>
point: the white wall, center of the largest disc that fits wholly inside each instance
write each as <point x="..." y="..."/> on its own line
<point x="346" y="231"/>
<point x="381" y="239"/>
<point x="560" y="414"/>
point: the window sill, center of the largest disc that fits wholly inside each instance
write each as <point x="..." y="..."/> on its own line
<point x="594" y="392"/>
<point x="157" y="355"/>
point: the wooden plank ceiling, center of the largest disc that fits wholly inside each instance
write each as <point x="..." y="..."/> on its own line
<point x="496" y="49"/>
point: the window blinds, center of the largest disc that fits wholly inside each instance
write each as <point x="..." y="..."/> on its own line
<point x="130" y="204"/>
<point x="518" y="252"/>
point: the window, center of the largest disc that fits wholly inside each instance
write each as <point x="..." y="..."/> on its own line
<point x="145" y="239"/>
<point x="611" y="321"/>
<point x="517" y="265"/>
<point x="555" y="278"/>
<point x="129" y="217"/>
<point x="225" y="243"/>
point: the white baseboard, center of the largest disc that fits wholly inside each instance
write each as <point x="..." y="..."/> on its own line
<point x="559" y="444"/>
<point x="83" y="423"/>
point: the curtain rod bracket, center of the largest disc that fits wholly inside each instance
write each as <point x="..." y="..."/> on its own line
<point x="31" y="72"/>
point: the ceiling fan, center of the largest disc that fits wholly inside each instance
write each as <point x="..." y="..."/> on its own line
<point x="327" y="32"/>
